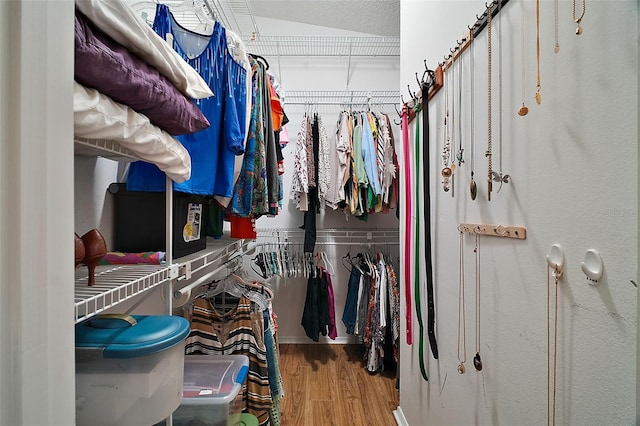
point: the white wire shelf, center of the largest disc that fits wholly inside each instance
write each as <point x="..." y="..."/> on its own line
<point x="118" y="283"/>
<point x="329" y="236"/>
<point x="342" y="97"/>
<point x="114" y="284"/>
<point x="318" y="45"/>
<point x="217" y="253"/>
<point x="102" y="148"/>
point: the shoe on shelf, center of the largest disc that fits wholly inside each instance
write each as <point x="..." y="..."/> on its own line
<point x="95" y="248"/>
<point x="79" y="249"/>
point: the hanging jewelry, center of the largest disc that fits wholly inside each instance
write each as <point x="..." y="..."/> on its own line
<point x="462" y="325"/>
<point x="460" y="153"/>
<point x="489" y="151"/>
<point x="538" y="96"/>
<point x="578" y="21"/>
<point x="499" y="177"/>
<point x="523" y="109"/>
<point x="452" y="125"/>
<point x="473" y="188"/>
<point x="446" y="148"/>
<point x="552" y="364"/>
<point x="477" y="361"/>
<point x="556" y="46"/>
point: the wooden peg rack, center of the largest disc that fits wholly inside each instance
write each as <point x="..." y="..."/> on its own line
<point x="517" y="232"/>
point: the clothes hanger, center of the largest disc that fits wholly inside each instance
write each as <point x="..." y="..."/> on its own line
<point x="264" y="61"/>
<point x="145" y="9"/>
<point x="236" y="287"/>
<point x="328" y="265"/>
<point x="252" y="285"/>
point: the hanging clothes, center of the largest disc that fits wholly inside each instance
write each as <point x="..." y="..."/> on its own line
<point x="315" y="315"/>
<point x="338" y="155"/>
<point x="369" y="155"/>
<point x="300" y="183"/>
<point x="250" y="197"/>
<point x="239" y="331"/>
<point x="372" y="307"/>
<point x="212" y="150"/>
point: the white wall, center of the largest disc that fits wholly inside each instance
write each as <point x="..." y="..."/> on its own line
<point x="573" y="162"/>
<point x="36" y="215"/>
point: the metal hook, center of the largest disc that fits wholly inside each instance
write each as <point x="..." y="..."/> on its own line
<point x="396" y="108"/>
<point x="501" y="230"/>
<point x="413" y="97"/>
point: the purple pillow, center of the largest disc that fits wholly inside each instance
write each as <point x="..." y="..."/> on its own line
<point x="105" y="65"/>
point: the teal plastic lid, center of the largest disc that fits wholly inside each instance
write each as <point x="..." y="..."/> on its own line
<point x="125" y="336"/>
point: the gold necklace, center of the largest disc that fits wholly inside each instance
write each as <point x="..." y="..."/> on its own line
<point x="523" y="109"/>
<point x="477" y="361"/>
<point x="500" y="177"/>
<point x="473" y="188"/>
<point x="489" y="153"/>
<point x="462" y="326"/>
<point x="551" y="395"/>
<point x="578" y="21"/>
<point x="538" y="96"/>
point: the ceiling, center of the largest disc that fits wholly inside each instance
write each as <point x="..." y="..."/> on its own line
<point x="376" y="17"/>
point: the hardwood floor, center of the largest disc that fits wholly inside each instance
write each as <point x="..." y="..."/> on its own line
<point x="327" y="385"/>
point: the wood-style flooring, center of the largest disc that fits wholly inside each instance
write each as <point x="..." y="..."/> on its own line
<point x="327" y="385"/>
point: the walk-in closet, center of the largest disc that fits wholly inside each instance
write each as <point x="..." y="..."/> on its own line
<point x="389" y="212"/>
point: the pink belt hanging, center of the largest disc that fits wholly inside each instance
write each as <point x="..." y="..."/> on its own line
<point x="406" y="146"/>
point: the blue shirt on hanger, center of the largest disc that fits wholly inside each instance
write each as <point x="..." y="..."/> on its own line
<point x="213" y="149"/>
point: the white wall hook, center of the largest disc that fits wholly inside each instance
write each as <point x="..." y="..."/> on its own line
<point x="592" y="266"/>
<point x="555" y="259"/>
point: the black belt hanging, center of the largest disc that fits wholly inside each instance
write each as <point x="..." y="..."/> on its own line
<point x="431" y="316"/>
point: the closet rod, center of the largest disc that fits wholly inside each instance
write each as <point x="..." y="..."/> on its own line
<point x="330" y="243"/>
<point x="337" y="232"/>
<point x="230" y="266"/>
<point x="311" y="103"/>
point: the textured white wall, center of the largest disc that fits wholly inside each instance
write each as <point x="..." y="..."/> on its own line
<point x="573" y="162"/>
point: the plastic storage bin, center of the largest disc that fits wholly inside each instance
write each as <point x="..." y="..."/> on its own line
<point x="129" y="369"/>
<point x="212" y="394"/>
<point x="140" y="221"/>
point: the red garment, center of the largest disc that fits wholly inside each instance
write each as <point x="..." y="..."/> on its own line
<point x="243" y="227"/>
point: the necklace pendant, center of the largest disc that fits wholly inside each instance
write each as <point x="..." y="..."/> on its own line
<point x="461" y="369"/>
<point x="523" y="111"/>
<point x="556" y="48"/>
<point x="477" y="362"/>
<point x="579" y="30"/>
<point x="473" y="188"/>
<point x="538" y="97"/>
<point x="446" y="172"/>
